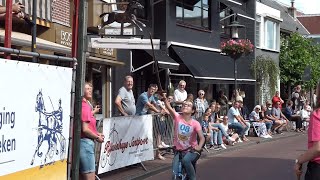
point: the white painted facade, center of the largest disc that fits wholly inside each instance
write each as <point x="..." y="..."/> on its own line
<point x="264" y="15"/>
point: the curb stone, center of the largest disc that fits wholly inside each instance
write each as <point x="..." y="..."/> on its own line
<point x="213" y="153"/>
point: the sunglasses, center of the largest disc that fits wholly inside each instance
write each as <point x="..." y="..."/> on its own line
<point x="187" y="104"/>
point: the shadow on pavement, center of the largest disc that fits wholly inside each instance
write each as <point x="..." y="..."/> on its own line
<point x="240" y="168"/>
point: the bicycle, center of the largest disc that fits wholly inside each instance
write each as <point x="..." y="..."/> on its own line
<point x="182" y="173"/>
<point x="108" y="155"/>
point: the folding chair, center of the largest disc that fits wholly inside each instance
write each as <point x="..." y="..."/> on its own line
<point x="254" y="128"/>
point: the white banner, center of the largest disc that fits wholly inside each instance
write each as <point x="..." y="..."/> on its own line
<point x="34" y="120"/>
<point x="128" y="140"/>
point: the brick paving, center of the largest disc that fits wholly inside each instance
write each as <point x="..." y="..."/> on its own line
<point x="157" y="166"/>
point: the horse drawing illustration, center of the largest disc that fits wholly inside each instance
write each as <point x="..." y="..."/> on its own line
<point x="50" y="126"/>
<point x="127" y="16"/>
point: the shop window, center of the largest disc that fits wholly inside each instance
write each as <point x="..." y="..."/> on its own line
<point x="193" y="12"/>
<point x="97" y="85"/>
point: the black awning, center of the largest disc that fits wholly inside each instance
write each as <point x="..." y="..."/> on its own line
<point x="187" y="4"/>
<point x="208" y="65"/>
<point x="164" y="61"/>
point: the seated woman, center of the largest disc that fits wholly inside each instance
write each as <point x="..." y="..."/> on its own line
<point x="206" y="128"/>
<point x="213" y="133"/>
<point x="259" y="124"/>
<point x="267" y="121"/>
<point x="288" y="112"/>
<point x="224" y="124"/>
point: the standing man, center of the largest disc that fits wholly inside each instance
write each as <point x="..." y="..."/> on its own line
<point x="146" y="101"/>
<point x="180" y="95"/>
<point x="125" y="101"/>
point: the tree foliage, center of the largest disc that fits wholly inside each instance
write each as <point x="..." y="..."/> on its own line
<point x="296" y="53"/>
<point x="266" y="72"/>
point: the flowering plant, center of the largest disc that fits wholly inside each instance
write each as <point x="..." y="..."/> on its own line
<point x="236" y="47"/>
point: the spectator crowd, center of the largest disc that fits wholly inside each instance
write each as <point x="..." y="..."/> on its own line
<point x="224" y="122"/>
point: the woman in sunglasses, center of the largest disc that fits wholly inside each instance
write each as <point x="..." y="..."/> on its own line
<point x="201" y="104"/>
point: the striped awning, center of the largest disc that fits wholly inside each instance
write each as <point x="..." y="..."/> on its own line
<point x="43" y="8"/>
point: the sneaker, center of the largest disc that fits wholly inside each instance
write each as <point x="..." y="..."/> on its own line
<point x="239" y="140"/>
<point x="265" y="136"/>
<point x="164" y="145"/>
<point x="211" y="146"/>
<point x="222" y="146"/>
<point x="231" y="139"/>
<point x="279" y="132"/>
<point x="216" y="147"/>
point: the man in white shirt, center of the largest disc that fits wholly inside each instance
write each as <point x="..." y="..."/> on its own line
<point x="237" y="122"/>
<point x="180" y="95"/>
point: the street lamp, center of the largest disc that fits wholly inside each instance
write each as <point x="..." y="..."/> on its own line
<point x="234" y="26"/>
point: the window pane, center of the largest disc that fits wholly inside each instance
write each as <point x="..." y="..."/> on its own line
<point x="205" y="18"/>
<point x="224" y="12"/>
<point x="270" y="39"/>
<point x="193" y="16"/>
<point x="194" y="13"/>
<point x="179" y="13"/>
<point x="258" y="34"/>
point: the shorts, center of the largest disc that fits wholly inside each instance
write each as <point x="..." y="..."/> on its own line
<point x="87" y="159"/>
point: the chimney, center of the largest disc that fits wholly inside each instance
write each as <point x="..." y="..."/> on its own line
<point x="292" y="10"/>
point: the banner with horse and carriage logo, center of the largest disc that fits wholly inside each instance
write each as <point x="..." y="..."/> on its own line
<point x="34" y="120"/>
<point x="128" y="140"/>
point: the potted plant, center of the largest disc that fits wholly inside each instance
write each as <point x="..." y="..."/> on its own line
<point x="235" y="48"/>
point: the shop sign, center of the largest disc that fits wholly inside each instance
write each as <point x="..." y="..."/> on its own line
<point x="117" y="31"/>
<point x="64" y="37"/>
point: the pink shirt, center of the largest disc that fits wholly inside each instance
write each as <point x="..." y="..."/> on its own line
<point x="87" y="116"/>
<point x="185" y="133"/>
<point x="314" y="131"/>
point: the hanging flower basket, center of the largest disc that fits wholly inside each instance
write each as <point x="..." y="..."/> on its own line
<point x="236" y="48"/>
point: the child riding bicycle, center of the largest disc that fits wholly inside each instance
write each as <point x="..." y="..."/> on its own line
<point x="186" y="131"/>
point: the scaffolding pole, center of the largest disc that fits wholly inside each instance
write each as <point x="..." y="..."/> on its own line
<point x="34" y="29"/>
<point x="80" y="74"/>
<point x="75" y="25"/>
<point x="36" y="55"/>
<point x="8" y="27"/>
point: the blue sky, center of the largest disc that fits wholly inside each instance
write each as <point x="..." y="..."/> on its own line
<point x="306" y="6"/>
